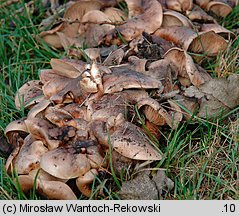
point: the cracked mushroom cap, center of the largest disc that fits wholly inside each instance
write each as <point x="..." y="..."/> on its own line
<point x="131" y="142"/>
<point x="65" y="163"/>
<point x="125" y="78"/>
<point x="29" y="94"/>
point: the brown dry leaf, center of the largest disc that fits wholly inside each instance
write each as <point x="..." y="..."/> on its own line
<point x="190" y="104"/>
<point x="217" y="96"/>
<point x="142" y="187"/>
<point x="225" y="90"/>
<point x="149" y="21"/>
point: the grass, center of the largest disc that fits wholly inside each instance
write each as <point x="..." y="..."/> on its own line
<point x="200" y="156"/>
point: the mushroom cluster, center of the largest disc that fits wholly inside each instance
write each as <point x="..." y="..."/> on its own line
<point x="79" y="109"/>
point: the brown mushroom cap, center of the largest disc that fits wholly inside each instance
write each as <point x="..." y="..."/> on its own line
<point x="154" y="112"/>
<point x="208" y="43"/>
<point x="29" y="156"/>
<point x="15" y="127"/>
<point x="30" y="93"/>
<point x="38" y="108"/>
<point x="128" y="79"/>
<point x="186" y="68"/>
<point x="179" y="5"/>
<point x="173" y="18"/>
<point x="131" y="142"/>
<point x="219" y="8"/>
<point x="198" y="14"/>
<point x="59" y="117"/>
<point x="69" y="67"/>
<point x="227" y="34"/>
<point x="56" y="190"/>
<point x="64" y="163"/>
<point x="148" y="21"/>
<point x="39" y="129"/>
<point x="115" y="15"/>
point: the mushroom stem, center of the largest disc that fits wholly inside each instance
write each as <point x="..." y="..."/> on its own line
<point x="83" y="182"/>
